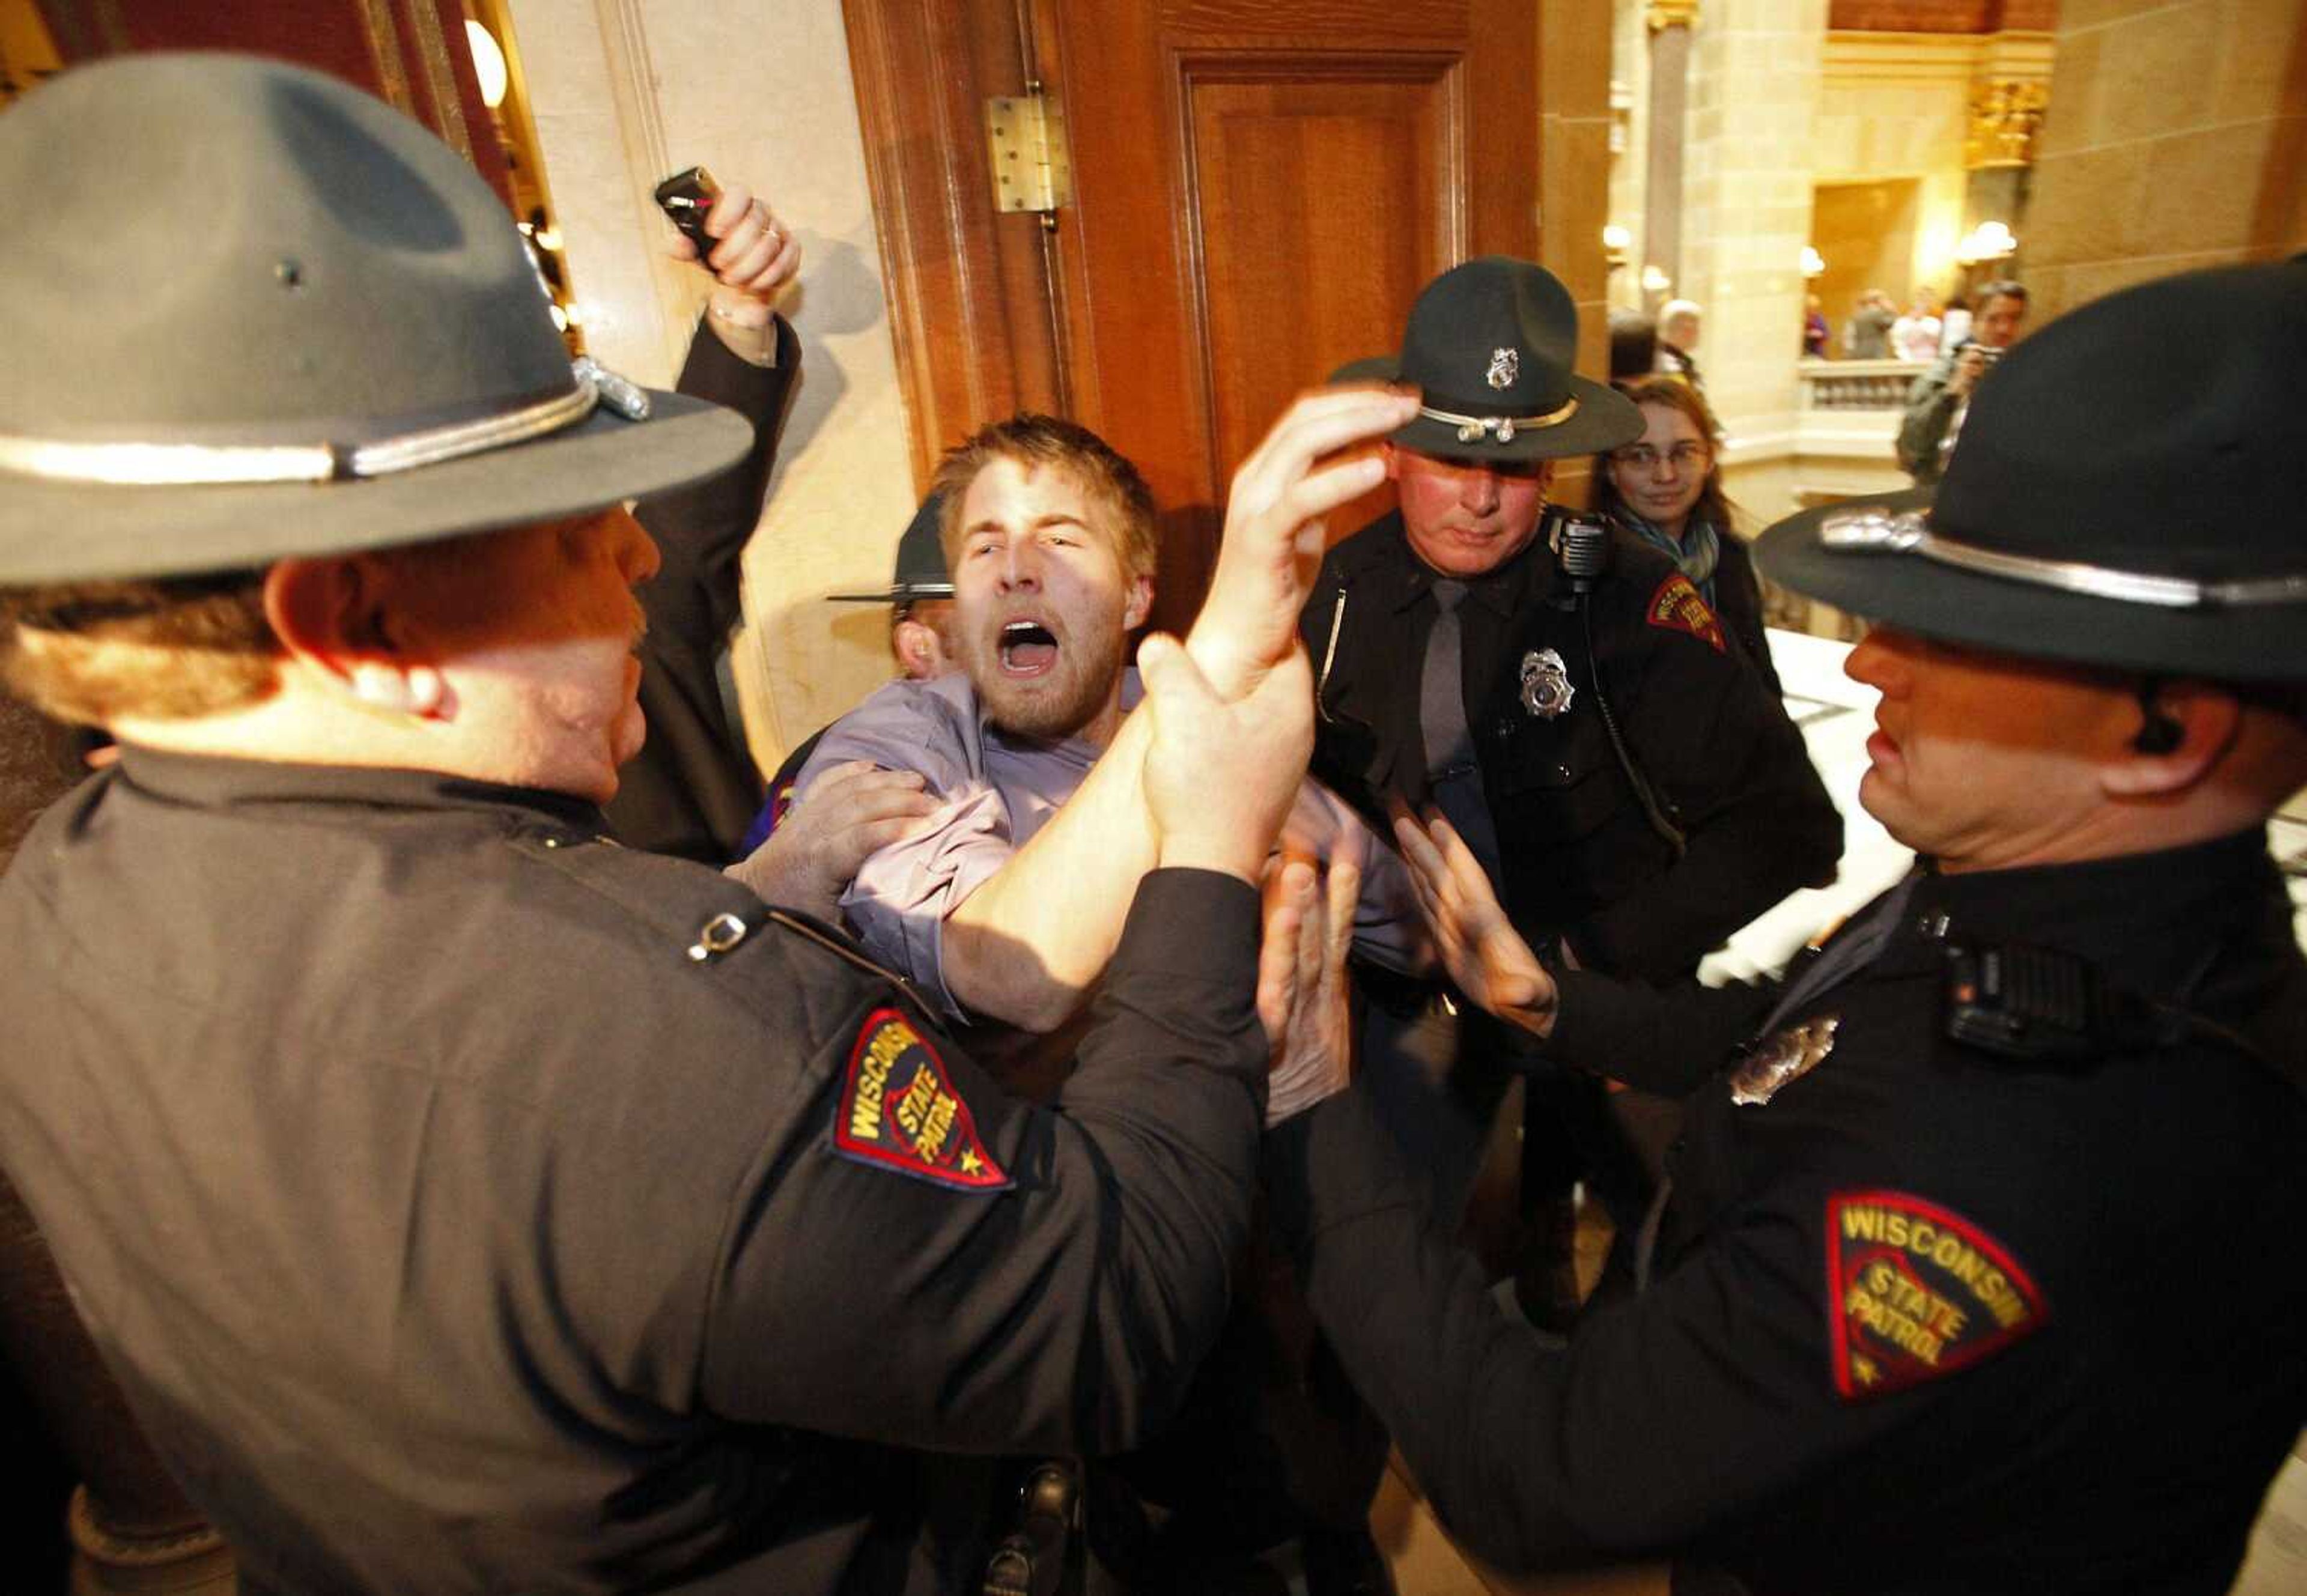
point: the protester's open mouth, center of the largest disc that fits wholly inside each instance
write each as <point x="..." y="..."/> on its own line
<point x="1028" y="649"/>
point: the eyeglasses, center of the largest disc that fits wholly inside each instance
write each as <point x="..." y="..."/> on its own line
<point x="1686" y="456"/>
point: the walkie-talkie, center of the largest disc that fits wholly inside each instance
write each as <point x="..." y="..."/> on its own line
<point x="1580" y="542"/>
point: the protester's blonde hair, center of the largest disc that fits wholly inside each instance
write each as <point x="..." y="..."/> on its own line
<point x="1036" y="442"/>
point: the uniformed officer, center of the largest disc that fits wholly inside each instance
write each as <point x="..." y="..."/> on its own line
<point x="1576" y="708"/>
<point x="466" y="1203"/>
<point x="1971" y="1276"/>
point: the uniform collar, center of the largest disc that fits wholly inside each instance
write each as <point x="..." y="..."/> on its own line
<point x="206" y="781"/>
<point x="1502" y="591"/>
<point x="2142" y="918"/>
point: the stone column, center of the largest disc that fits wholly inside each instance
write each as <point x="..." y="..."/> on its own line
<point x="1745" y="217"/>
<point x="1670" y="23"/>
<point x="2174" y="138"/>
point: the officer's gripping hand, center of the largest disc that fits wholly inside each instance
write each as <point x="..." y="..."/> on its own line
<point x="1484" y="956"/>
<point x="1304" y="998"/>
<point x="1221" y="775"/>
<point x="852" y="812"/>
<point x="1274" y="529"/>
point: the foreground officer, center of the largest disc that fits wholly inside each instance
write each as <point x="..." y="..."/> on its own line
<point x="463" y="1202"/>
<point x="1960" y="1283"/>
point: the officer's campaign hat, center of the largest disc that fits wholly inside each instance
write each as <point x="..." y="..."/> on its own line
<point x="2128" y="490"/>
<point x="1490" y="346"/>
<point x="248" y="312"/>
<point x="921" y="572"/>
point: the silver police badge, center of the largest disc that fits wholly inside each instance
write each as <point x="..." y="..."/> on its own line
<point x="1784" y="1056"/>
<point x="1505" y="366"/>
<point x="1546" y="690"/>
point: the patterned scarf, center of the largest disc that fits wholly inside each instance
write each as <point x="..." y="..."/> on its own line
<point x="1696" y="555"/>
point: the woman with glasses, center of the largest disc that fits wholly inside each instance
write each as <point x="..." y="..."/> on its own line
<point x="1666" y="488"/>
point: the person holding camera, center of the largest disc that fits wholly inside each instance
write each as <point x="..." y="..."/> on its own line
<point x="1562" y="690"/>
<point x="1960" y="1283"/>
<point x="1936" y="403"/>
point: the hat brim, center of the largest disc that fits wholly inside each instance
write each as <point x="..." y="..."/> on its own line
<point x="902" y="593"/>
<point x="118" y="533"/>
<point x="1918" y="593"/>
<point x="1603" y="419"/>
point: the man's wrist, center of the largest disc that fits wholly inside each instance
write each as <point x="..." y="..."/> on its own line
<point x="1222" y="856"/>
<point x="755" y="342"/>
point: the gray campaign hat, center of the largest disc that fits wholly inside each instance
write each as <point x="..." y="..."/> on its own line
<point x="248" y="312"/>
<point x="921" y="572"/>
<point x="2126" y="491"/>
<point x="1490" y="346"/>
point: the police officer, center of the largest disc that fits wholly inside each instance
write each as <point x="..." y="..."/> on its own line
<point x="464" y="1201"/>
<point x="1959" y="1285"/>
<point x="1578" y="710"/>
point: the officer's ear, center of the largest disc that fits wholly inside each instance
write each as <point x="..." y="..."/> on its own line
<point x="336" y="619"/>
<point x="2184" y="729"/>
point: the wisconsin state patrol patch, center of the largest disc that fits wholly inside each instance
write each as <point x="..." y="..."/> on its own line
<point x="899" y="1110"/>
<point x="1678" y="606"/>
<point x="1914" y="1291"/>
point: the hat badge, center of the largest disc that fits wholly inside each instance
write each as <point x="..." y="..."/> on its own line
<point x="1505" y="366"/>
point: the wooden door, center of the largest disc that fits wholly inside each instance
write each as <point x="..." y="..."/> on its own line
<point x="411" y="53"/>
<point x="1259" y="188"/>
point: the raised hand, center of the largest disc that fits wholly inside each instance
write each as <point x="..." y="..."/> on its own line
<point x="1274" y="529"/>
<point x="1304" y="998"/>
<point x="1484" y="956"/>
<point x="1221" y="775"/>
<point x="757" y="257"/>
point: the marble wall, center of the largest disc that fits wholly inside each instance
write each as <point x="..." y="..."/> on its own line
<point x="2176" y="138"/>
<point x="622" y="93"/>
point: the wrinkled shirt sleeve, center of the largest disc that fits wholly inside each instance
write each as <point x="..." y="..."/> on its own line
<point x="898" y="902"/>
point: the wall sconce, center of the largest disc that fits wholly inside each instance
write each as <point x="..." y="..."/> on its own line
<point x="1655" y="280"/>
<point x="488" y="63"/>
<point x="1813" y="264"/>
<point x="1615" y="241"/>
<point x="1988" y="241"/>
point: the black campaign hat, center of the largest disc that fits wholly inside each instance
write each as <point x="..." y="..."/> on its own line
<point x="337" y="343"/>
<point x="2128" y="490"/>
<point x="1490" y="346"/>
<point x="920" y="570"/>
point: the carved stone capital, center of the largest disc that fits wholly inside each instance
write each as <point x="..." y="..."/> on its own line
<point x="1663" y="14"/>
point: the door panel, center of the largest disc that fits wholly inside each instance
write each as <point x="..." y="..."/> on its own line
<point x="1259" y="194"/>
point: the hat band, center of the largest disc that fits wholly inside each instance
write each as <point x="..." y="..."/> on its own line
<point x="205" y="465"/>
<point x="1472" y="428"/>
<point x="1877" y="531"/>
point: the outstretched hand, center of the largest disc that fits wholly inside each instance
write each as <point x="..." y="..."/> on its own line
<point x="1303" y="992"/>
<point x="1484" y="956"/>
<point x="1274" y="529"/>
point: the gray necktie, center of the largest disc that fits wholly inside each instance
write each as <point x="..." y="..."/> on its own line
<point x="1452" y="771"/>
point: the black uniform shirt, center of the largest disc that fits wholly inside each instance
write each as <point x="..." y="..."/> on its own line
<point x="1581" y="859"/>
<point x="467" y="1203"/>
<point x="1927" y="1319"/>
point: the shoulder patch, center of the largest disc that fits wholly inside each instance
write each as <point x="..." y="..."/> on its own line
<point x="1914" y="1291"/>
<point x="899" y="1110"/>
<point x="1679" y="606"/>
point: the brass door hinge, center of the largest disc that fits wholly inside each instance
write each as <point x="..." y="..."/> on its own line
<point x="1025" y="135"/>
